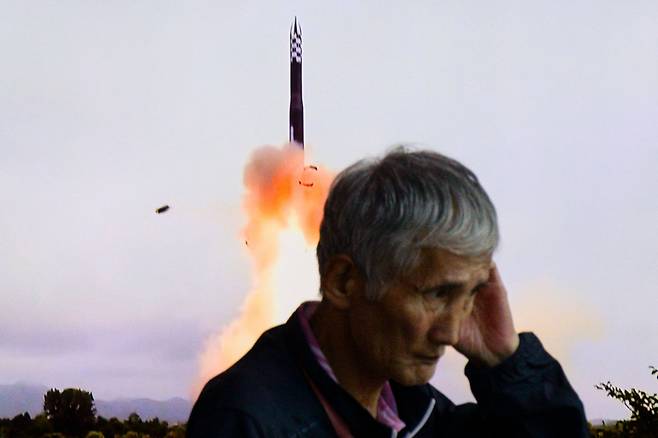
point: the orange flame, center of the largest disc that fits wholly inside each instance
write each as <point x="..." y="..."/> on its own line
<point x="280" y="193"/>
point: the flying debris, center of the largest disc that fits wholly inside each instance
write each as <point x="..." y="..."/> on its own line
<point x="296" y="121"/>
<point x="308" y="176"/>
<point x="162" y="209"/>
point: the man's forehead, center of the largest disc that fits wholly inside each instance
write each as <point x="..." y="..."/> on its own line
<point x="438" y="264"/>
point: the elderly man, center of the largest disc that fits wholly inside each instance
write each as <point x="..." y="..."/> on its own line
<point x="406" y="270"/>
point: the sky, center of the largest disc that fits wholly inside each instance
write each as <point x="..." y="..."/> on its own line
<point x="110" y="109"/>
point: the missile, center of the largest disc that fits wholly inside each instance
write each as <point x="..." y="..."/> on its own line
<point x="296" y="121"/>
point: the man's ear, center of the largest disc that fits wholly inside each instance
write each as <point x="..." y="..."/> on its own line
<point x="342" y="282"/>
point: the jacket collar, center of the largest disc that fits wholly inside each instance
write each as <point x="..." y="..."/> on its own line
<point x="413" y="401"/>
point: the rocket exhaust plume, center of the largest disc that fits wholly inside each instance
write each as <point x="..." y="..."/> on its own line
<point x="274" y="202"/>
<point x="281" y="195"/>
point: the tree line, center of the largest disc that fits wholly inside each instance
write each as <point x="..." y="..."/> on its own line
<point x="71" y="414"/>
<point x="644" y="412"/>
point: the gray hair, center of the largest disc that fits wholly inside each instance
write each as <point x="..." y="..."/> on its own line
<point x="383" y="212"/>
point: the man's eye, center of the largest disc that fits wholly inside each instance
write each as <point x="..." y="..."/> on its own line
<point x="436" y="294"/>
<point x="477" y="289"/>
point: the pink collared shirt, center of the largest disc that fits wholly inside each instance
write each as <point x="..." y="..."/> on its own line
<point x="387" y="410"/>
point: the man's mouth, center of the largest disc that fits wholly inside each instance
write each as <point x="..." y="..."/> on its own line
<point x="429" y="359"/>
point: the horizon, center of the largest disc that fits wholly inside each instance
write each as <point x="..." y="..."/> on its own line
<point x="591" y="420"/>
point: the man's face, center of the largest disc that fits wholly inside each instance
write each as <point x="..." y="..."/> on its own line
<point x="402" y="335"/>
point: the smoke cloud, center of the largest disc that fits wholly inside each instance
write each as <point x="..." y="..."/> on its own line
<point x="281" y="195"/>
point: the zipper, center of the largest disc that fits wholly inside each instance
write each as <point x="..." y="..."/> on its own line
<point x="422" y="422"/>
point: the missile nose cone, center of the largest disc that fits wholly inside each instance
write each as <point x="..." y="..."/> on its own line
<point x="295" y="42"/>
<point x="296" y="120"/>
<point x="295" y="29"/>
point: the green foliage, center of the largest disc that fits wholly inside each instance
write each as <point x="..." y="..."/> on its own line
<point x="21" y="420"/>
<point x="176" y="432"/>
<point x="17" y="427"/>
<point x="71" y="411"/>
<point x="644" y="412"/>
<point x="134" y="420"/>
<point x="23" y="425"/>
<point x="110" y="428"/>
<point x="156" y="428"/>
<point x="40" y="425"/>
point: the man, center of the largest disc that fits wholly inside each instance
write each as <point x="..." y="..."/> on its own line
<point x="406" y="270"/>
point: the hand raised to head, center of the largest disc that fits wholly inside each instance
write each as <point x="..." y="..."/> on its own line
<point x="488" y="336"/>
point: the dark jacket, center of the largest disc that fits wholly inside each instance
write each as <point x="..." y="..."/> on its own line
<point x="266" y="394"/>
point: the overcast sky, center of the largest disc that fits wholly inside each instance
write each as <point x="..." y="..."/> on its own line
<point x="110" y="109"/>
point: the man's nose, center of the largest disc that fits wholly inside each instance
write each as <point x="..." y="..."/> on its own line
<point x="448" y="325"/>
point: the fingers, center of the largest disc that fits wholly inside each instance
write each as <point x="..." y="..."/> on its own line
<point x="494" y="287"/>
<point x="494" y="275"/>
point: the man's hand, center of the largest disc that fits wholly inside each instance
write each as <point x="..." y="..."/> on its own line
<point x="487" y="336"/>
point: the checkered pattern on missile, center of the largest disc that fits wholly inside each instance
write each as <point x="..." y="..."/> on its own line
<point x="295" y="47"/>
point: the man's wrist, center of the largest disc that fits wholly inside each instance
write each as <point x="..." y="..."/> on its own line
<point x="508" y="350"/>
<point x="505" y="351"/>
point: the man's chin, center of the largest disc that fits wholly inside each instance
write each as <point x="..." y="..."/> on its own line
<point x="420" y="375"/>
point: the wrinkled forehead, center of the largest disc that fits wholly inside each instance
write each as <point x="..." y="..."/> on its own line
<point x="438" y="265"/>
